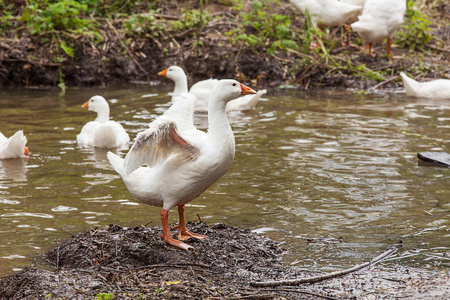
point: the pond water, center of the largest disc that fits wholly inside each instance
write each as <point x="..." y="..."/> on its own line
<point x="333" y="175"/>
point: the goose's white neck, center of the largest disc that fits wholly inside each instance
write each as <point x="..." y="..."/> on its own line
<point x="219" y="129"/>
<point x="103" y="115"/>
<point x="181" y="86"/>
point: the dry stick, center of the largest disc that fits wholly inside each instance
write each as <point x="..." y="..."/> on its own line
<point x="298" y="291"/>
<point x="291" y="282"/>
<point x="382" y="83"/>
<point x="126" y="48"/>
<point x="303" y="55"/>
<point x="437" y="48"/>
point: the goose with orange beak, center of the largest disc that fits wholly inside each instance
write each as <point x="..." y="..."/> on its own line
<point x="172" y="162"/>
<point x="102" y="132"/>
<point x="202" y="90"/>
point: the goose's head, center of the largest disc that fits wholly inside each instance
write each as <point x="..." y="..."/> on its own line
<point x="229" y="89"/>
<point x="175" y="73"/>
<point x="97" y="104"/>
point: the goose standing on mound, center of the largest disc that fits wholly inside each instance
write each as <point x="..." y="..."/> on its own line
<point x="439" y="88"/>
<point x="14" y="146"/>
<point x="101" y="133"/>
<point x="181" y="161"/>
<point x="379" y="20"/>
<point x="202" y="90"/>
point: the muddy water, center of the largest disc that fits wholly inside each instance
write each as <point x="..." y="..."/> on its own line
<point x="333" y="175"/>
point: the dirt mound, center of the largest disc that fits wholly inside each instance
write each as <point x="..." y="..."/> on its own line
<point x="132" y="263"/>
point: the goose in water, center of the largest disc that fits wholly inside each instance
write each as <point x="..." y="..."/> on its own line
<point x="439" y="88"/>
<point x="14" y="146"/>
<point x="102" y="132"/>
<point x="202" y="90"/>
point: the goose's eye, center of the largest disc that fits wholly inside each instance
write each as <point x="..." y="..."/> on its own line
<point x="234" y="84"/>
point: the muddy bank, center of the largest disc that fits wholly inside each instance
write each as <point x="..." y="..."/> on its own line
<point x="114" y="55"/>
<point x="135" y="263"/>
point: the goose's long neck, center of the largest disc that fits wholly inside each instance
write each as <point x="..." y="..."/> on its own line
<point x="181" y="86"/>
<point x="219" y="128"/>
<point x="103" y="115"/>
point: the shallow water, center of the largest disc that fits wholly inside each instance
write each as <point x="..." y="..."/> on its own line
<point x="332" y="174"/>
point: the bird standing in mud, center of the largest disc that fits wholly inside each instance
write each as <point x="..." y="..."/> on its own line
<point x="172" y="162"/>
<point x="379" y="20"/>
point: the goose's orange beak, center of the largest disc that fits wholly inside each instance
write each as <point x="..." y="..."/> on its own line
<point x="26" y="151"/>
<point x="85" y="105"/>
<point x="163" y="73"/>
<point x="245" y="90"/>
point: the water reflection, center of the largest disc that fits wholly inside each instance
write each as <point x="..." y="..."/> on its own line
<point x="97" y="156"/>
<point x="14" y="169"/>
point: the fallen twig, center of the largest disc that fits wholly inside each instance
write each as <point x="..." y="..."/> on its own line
<point x="437" y="48"/>
<point x="291" y="282"/>
<point x="383" y="83"/>
<point x="299" y="291"/>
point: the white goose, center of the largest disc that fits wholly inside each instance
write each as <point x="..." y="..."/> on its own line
<point x="379" y="20"/>
<point x="14" y="146"/>
<point x="202" y="90"/>
<point x="181" y="161"/>
<point x="439" y="88"/>
<point x="327" y="13"/>
<point x="101" y="133"/>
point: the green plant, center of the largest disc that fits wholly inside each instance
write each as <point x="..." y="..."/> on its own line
<point x="104" y="296"/>
<point x="62" y="15"/>
<point x="366" y="73"/>
<point x="143" y="24"/>
<point x="416" y="30"/>
<point x="191" y="19"/>
<point x="6" y="14"/>
<point x="260" y="26"/>
<point x="160" y="290"/>
<point x="311" y="32"/>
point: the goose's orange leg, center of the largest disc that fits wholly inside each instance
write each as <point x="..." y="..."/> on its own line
<point x="183" y="233"/>
<point x="369" y="45"/>
<point x="166" y="232"/>
<point x="389" y="44"/>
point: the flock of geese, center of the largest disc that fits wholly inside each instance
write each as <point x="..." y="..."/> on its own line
<point x="373" y="20"/>
<point x="172" y="162"/>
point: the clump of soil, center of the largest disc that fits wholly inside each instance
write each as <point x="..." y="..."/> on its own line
<point x="136" y="263"/>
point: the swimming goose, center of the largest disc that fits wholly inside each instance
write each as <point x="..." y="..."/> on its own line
<point x="439" y="88"/>
<point x="379" y="20"/>
<point x="202" y="90"/>
<point x="14" y="146"/>
<point x="172" y="163"/>
<point x="102" y="132"/>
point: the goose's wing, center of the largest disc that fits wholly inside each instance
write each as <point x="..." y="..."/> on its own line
<point x="182" y="110"/>
<point x="153" y="146"/>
